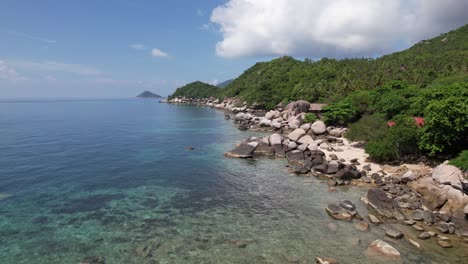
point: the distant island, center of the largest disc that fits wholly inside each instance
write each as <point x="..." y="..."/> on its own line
<point x="148" y="94"/>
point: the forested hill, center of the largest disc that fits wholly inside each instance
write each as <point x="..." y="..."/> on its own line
<point x="196" y="90"/>
<point x="286" y="79"/>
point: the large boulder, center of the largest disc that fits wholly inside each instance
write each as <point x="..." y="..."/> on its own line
<point x="265" y="122"/>
<point x="318" y="127"/>
<point x="448" y="175"/>
<point x="295" y="156"/>
<point x="306" y="139"/>
<point x="275" y="139"/>
<point x="380" y="202"/>
<point x="443" y="198"/>
<point x="243" y="117"/>
<point x="297" y="107"/>
<point x="272" y="114"/>
<point x="296" y="121"/>
<point x="242" y="151"/>
<point x="337" y="132"/>
<point x="379" y="248"/>
<point x="296" y="134"/>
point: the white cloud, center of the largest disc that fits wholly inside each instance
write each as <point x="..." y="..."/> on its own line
<point x="338" y="28"/>
<point x="159" y="53"/>
<point x="137" y="46"/>
<point x="55" y="66"/>
<point x="8" y="73"/>
<point x="214" y="82"/>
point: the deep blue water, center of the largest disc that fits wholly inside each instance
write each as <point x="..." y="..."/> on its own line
<point x="105" y="177"/>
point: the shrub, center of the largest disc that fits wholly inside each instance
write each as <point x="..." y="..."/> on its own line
<point x="461" y="161"/>
<point x="310" y="118"/>
<point x="369" y="127"/>
<point x="446" y="125"/>
<point x="400" y="139"/>
<point x="382" y="149"/>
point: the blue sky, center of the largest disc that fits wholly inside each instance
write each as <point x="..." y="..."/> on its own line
<point x="91" y="41"/>
<point x="117" y="49"/>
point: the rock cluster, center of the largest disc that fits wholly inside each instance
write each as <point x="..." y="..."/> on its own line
<point x="303" y="150"/>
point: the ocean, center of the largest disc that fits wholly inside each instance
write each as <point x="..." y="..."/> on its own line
<point x="117" y="179"/>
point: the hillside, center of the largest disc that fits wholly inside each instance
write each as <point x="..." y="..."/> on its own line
<point x="196" y="90"/>
<point x="286" y="79"/>
<point x="148" y="94"/>
<point x="225" y="83"/>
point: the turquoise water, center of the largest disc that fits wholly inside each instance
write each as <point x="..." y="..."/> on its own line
<point x="103" y="178"/>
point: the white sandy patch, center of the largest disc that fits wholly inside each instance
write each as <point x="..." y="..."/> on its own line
<point x="349" y="152"/>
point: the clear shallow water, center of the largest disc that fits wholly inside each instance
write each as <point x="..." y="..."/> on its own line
<point x="102" y="178"/>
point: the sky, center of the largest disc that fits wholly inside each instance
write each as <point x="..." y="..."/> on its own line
<point x="117" y="49"/>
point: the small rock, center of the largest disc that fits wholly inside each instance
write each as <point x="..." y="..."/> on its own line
<point x="424" y="236"/>
<point x="408" y="176"/>
<point x="333" y="157"/>
<point x="348" y="205"/>
<point x="393" y="233"/>
<point x="94" y="260"/>
<point x="418" y="215"/>
<point x="338" y="213"/>
<point x="418" y="228"/>
<point x="414" y="243"/>
<point x="443" y="238"/>
<point x="444" y="227"/>
<point x="444" y="244"/>
<point x="238" y="243"/>
<point x="373" y="219"/>
<point x="361" y="226"/>
<point x="410" y="222"/>
<point x="147" y="250"/>
<point x="325" y="260"/>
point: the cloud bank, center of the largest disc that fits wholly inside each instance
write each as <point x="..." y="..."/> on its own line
<point x="332" y="28"/>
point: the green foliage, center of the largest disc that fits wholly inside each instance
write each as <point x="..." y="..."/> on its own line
<point x="404" y="134"/>
<point x="285" y="79"/>
<point x="340" y="113"/>
<point x="398" y="140"/>
<point x="368" y="128"/>
<point x="461" y="161"/>
<point x="196" y="90"/>
<point x="446" y="125"/>
<point x="382" y="149"/>
<point x="310" y="118"/>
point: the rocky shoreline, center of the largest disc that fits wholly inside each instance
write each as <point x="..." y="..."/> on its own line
<point x="428" y="199"/>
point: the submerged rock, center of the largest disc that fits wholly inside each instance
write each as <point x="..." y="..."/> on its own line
<point x="361" y="226"/>
<point x="393" y="233"/>
<point x="94" y="260"/>
<point x="147" y="250"/>
<point x="382" y="249"/>
<point x="325" y="260"/>
<point x="338" y="213"/>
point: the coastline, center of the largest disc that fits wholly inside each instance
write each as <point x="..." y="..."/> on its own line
<point x="426" y="199"/>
